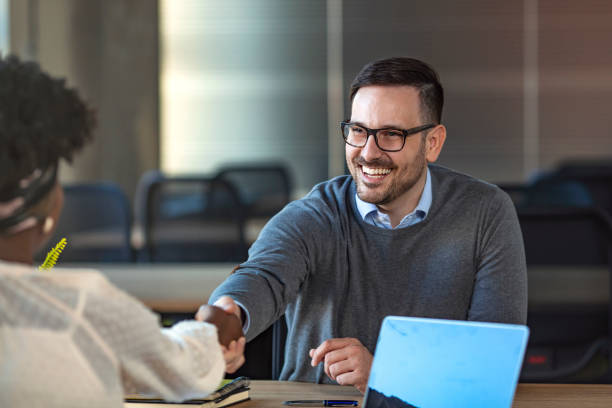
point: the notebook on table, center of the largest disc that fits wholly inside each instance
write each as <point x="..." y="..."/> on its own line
<point x="230" y="393"/>
<point x="431" y="363"/>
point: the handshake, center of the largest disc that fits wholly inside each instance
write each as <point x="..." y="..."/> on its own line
<point x="225" y="315"/>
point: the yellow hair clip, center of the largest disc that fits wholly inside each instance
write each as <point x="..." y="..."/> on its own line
<point x="52" y="256"/>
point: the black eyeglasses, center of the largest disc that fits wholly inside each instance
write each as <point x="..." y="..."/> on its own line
<point x="387" y="139"/>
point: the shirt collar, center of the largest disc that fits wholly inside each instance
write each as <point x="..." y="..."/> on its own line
<point x="423" y="206"/>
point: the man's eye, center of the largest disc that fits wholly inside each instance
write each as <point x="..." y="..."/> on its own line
<point x="357" y="129"/>
<point x="390" y="133"/>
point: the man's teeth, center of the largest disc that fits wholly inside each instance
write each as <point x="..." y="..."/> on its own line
<point x="373" y="171"/>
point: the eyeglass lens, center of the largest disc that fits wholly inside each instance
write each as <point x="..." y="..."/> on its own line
<point x="387" y="139"/>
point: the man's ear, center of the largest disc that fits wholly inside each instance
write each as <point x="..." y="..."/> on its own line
<point x="434" y="142"/>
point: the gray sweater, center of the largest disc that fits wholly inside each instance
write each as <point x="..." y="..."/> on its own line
<point x="333" y="275"/>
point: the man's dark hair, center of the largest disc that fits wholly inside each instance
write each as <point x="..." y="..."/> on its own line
<point x="41" y="121"/>
<point x="405" y="71"/>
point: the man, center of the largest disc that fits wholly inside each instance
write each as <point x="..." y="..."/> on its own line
<point x="399" y="237"/>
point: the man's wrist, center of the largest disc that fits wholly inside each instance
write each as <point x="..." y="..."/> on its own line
<point x="245" y="318"/>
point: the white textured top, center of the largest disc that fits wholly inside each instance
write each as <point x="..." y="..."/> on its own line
<point x="71" y="339"/>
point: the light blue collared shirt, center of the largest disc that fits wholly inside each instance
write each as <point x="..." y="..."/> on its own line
<point x="370" y="213"/>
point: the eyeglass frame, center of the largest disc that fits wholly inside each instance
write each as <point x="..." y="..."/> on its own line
<point x="374" y="132"/>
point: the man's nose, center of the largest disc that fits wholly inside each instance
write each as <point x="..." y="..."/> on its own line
<point x="370" y="150"/>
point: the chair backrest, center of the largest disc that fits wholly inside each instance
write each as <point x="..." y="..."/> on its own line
<point x="516" y="191"/>
<point x="555" y="192"/>
<point x="263" y="189"/>
<point x="96" y="222"/>
<point x="549" y="191"/>
<point x="596" y="176"/>
<point x="569" y="263"/>
<point x="265" y="353"/>
<point x="191" y="219"/>
<point x="279" y="341"/>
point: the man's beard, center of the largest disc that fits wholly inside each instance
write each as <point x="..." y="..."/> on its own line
<point x="404" y="180"/>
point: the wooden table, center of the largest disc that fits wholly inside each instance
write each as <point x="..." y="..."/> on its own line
<point x="271" y="394"/>
<point x="563" y="396"/>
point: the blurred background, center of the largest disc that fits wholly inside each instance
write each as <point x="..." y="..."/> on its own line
<point x="187" y="85"/>
<point x="213" y="114"/>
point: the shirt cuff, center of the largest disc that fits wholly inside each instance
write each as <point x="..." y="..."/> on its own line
<point x="247" y="318"/>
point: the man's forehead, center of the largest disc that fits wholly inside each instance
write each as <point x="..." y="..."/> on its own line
<point x="386" y="103"/>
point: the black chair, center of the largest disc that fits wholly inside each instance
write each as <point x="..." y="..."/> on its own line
<point x="516" y="191"/>
<point x="264" y="354"/>
<point x="554" y="192"/>
<point x="263" y="189"/>
<point x="96" y="222"/>
<point x="595" y="175"/>
<point x="279" y="340"/>
<point x="549" y="191"/>
<point x="570" y="324"/>
<point x="190" y="219"/>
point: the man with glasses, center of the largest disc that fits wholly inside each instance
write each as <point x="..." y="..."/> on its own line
<point x="400" y="236"/>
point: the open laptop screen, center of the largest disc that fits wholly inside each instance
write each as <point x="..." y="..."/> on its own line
<point x="429" y="363"/>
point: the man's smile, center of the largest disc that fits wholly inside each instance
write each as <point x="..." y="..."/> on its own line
<point x="374" y="175"/>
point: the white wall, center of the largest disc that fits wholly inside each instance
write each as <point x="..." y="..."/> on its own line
<point x="244" y="81"/>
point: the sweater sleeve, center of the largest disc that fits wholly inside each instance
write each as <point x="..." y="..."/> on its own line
<point x="500" y="286"/>
<point x="279" y="262"/>
<point x="179" y="363"/>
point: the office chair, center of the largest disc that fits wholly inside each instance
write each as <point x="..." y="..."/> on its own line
<point x="516" y="191"/>
<point x="190" y="219"/>
<point x="569" y="319"/>
<point x="264" y="354"/>
<point x="263" y="189"/>
<point x="96" y="222"/>
<point x="548" y="191"/>
<point x="279" y="341"/>
<point x="551" y="191"/>
<point x="596" y="176"/>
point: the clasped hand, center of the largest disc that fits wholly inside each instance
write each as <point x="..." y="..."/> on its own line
<point x="346" y="361"/>
<point x="229" y="330"/>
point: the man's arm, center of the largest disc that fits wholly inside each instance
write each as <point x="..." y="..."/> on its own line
<point x="279" y="262"/>
<point x="500" y="286"/>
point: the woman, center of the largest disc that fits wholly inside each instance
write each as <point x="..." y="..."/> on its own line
<point x="70" y="338"/>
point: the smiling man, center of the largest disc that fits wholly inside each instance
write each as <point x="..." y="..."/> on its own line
<point x="390" y="168"/>
<point x="400" y="236"/>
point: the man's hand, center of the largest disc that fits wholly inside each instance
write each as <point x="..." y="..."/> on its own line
<point x="347" y="361"/>
<point x="227" y="303"/>
<point x="229" y="327"/>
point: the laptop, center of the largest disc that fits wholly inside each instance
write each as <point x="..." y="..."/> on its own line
<point x="431" y="363"/>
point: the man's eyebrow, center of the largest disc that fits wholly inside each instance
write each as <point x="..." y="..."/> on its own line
<point x="356" y="122"/>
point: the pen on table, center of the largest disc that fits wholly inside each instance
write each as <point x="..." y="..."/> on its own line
<point x="321" y="403"/>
